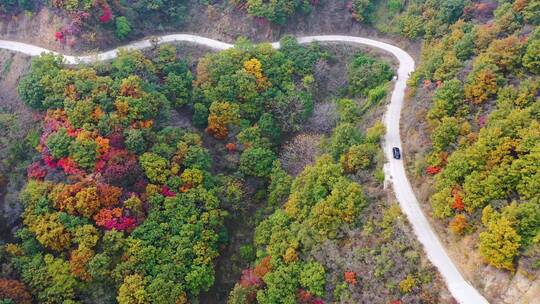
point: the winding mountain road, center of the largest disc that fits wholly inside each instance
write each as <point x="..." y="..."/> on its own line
<point x="462" y="290"/>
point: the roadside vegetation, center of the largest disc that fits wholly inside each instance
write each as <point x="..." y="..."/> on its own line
<point x="480" y="76"/>
<point x="144" y="167"/>
<point x="123" y="206"/>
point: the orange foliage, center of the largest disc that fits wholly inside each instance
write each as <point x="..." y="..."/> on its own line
<point x="216" y="127"/>
<point x="122" y="107"/>
<point x="13" y="249"/>
<point x="231" y="147"/>
<point x="482" y="88"/>
<point x="432" y="170"/>
<point x="98" y="113"/>
<point x="519" y="5"/>
<point x="185" y="188"/>
<point x="263" y="267"/>
<point x="84" y="198"/>
<point x="103" y="144"/>
<point x="304" y="296"/>
<point x="203" y="75"/>
<point x="290" y="255"/>
<point x="458" y="204"/>
<point x="146" y="124"/>
<point x="459" y="224"/>
<point x="49" y="231"/>
<point x="78" y="261"/>
<point x="350" y="277"/>
<point x="131" y="87"/>
<point x="221" y="115"/>
<point x="109" y="195"/>
<point x="63" y="197"/>
<point x="143" y="124"/>
<point x="485" y="33"/>
<point x="14" y="290"/>
<point x="105" y="215"/>
<point x="254" y="67"/>
<point x="71" y="92"/>
<point x="506" y="52"/>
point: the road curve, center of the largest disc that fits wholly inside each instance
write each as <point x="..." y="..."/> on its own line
<point x="394" y="169"/>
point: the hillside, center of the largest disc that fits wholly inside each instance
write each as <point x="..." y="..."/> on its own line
<point x="254" y="175"/>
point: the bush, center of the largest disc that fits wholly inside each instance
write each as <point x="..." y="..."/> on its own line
<point x="345" y="135"/>
<point x="531" y="59"/>
<point x="358" y="157"/>
<point x="58" y="143"/>
<point x="123" y="27"/>
<point x="200" y="115"/>
<point x="247" y="253"/>
<point x="313" y="278"/>
<point x="257" y="162"/>
<point x="366" y="73"/>
<point x="348" y="111"/>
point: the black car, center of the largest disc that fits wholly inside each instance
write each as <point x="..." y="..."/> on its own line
<point x="396" y="153"/>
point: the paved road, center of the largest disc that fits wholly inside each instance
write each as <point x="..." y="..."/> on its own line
<point x="463" y="291"/>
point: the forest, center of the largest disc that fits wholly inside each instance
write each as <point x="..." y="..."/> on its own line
<point x="117" y="196"/>
<point x="164" y="178"/>
<point x="483" y="123"/>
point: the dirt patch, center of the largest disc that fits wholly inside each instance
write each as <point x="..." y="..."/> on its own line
<point x="16" y="121"/>
<point x="37" y="28"/>
<point x="218" y="21"/>
<point x="12" y="67"/>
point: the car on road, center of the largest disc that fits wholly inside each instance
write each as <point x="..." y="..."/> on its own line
<point x="396" y="153"/>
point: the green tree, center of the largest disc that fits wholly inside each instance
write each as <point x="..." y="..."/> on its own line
<point x="257" y="162"/>
<point x="277" y="11"/>
<point x="135" y="141"/>
<point x="313" y="278"/>
<point x="358" y="157"/>
<point x="58" y="143"/>
<point x="447" y="100"/>
<point x="375" y="133"/>
<point x="531" y="12"/>
<point x="178" y="88"/>
<point x="531" y="59"/>
<point x="84" y="152"/>
<point x="445" y="134"/>
<point x="280" y="185"/>
<point x="155" y="167"/>
<point x="363" y="10"/>
<point x="348" y="111"/>
<point x="269" y="128"/>
<point x="366" y="73"/>
<point x="132" y="290"/>
<point x="281" y="285"/>
<point x="123" y="27"/>
<point x="34" y="86"/>
<point x="200" y="115"/>
<point x="344" y="136"/>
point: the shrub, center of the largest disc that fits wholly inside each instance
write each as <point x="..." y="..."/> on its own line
<point x="247" y="253"/>
<point x="257" y="162"/>
<point x="123" y="27"/>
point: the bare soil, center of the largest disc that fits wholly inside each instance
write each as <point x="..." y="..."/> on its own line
<point x="12" y="66"/>
<point x="217" y="21"/>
